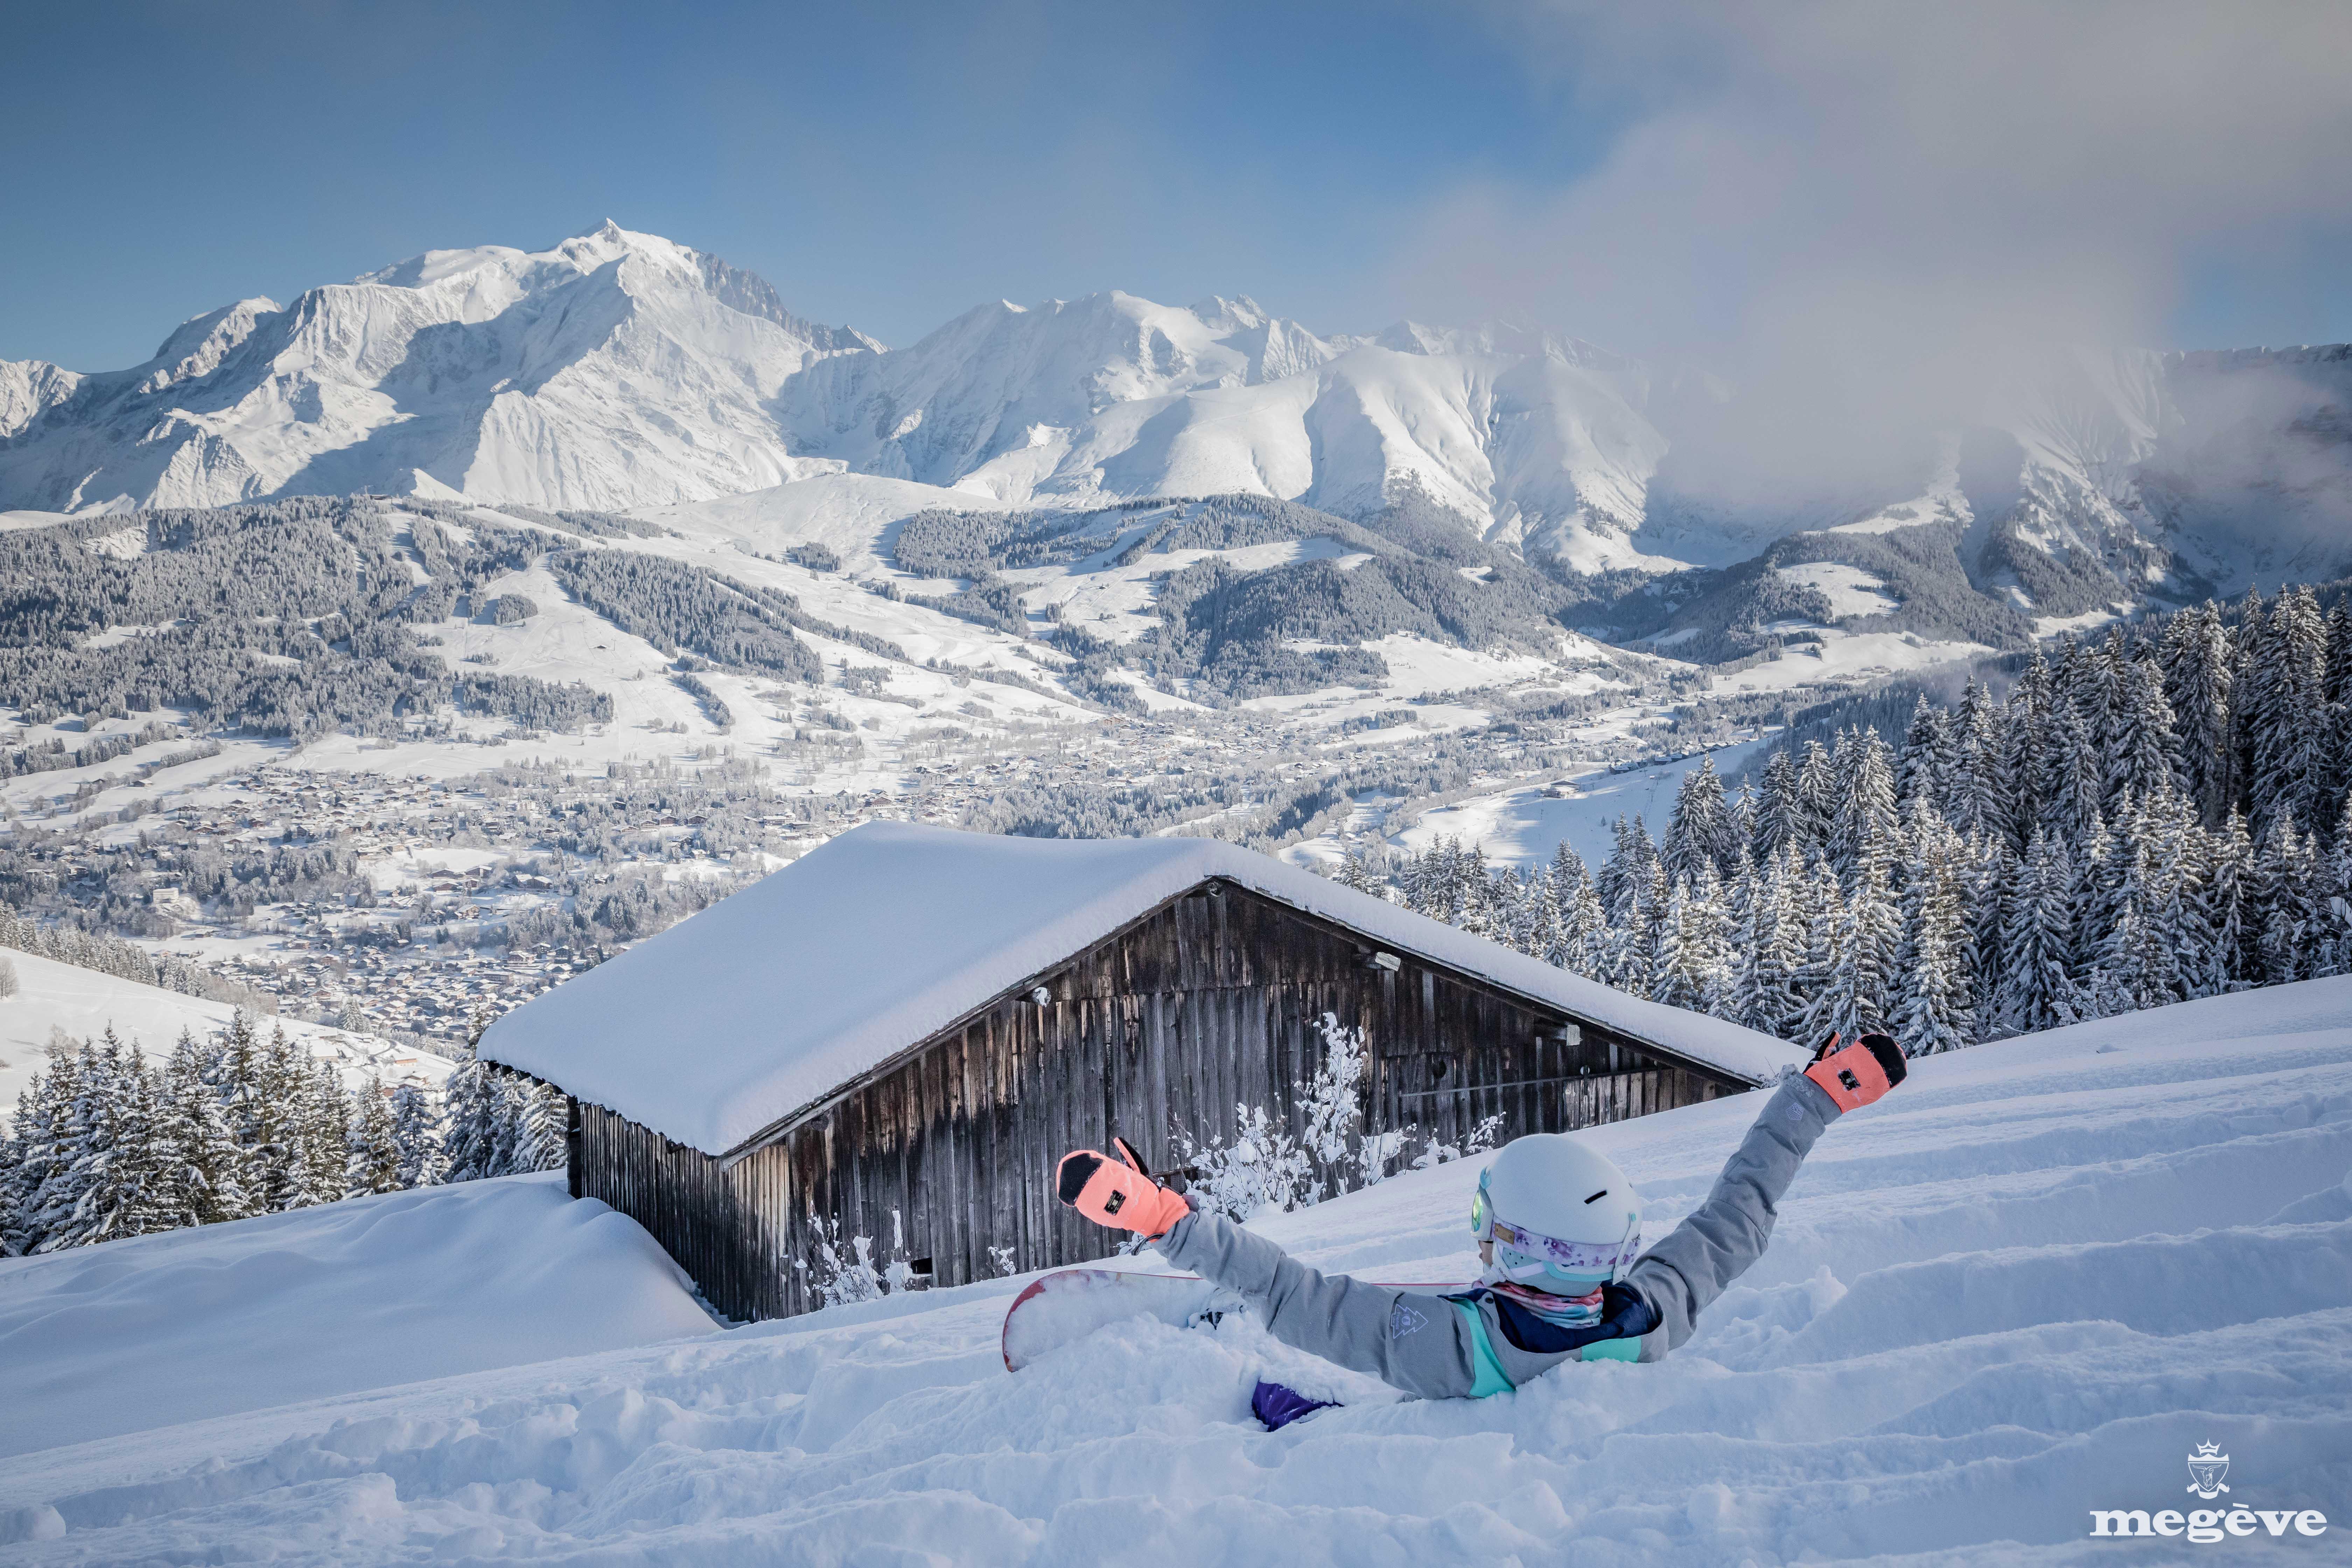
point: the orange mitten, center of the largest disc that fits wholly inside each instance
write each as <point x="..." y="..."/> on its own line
<point x="1118" y="1193"/>
<point x="1861" y="1072"/>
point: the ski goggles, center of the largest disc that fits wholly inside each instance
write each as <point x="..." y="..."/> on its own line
<point x="1549" y="1254"/>
<point x="1540" y="1255"/>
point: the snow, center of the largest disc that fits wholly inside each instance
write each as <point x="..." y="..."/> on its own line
<point x="131" y="1335"/>
<point x="83" y="1003"/>
<point x="716" y="1028"/>
<point x="2021" y="1288"/>
<point x="1850" y="590"/>
<point x="1526" y="825"/>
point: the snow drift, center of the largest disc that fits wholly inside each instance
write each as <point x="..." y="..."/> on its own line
<point x="2021" y="1288"/>
<point x="362" y="1294"/>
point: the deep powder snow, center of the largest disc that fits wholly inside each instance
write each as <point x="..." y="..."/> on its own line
<point x="2023" y="1287"/>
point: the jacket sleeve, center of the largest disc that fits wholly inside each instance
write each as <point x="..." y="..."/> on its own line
<point x="1727" y="1233"/>
<point x="1410" y="1340"/>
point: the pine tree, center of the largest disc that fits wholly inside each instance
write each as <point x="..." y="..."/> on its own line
<point x="2144" y="753"/>
<point x="1817" y="801"/>
<point x="194" y="1142"/>
<point x="72" y="1135"/>
<point x="2073" y="781"/>
<point x="1356" y="871"/>
<point x="2038" y="942"/>
<point x="2287" y="681"/>
<point x="1779" y="811"/>
<point x="1935" y="1001"/>
<point x="1818" y="983"/>
<point x="1976" y="801"/>
<point x="2197" y="657"/>
<point x="470" y="1142"/>
<point x="416" y="1133"/>
<point x="2236" y="957"/>
<point x="1700" y="832"/>
<point x="2025" y="746"/>
<point x="1866" y="813"/>
<point x="371" y="1153"/>
<point x="1925" y="768"/>
<point x="1771" y="1000"/>
<point x="323" y="1136"/>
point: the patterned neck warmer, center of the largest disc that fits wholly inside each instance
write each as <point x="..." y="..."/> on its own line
<point x="1561" y="1311"/>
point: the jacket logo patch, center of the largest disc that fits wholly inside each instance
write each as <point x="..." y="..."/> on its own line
<point x="1405" y="1321"/>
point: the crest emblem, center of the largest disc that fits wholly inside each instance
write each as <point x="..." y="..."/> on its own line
<point x="2207" y="1466"/>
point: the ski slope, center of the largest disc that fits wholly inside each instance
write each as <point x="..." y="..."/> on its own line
<point x="2021" y="1289"/>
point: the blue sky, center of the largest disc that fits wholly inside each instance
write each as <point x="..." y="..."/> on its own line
<point x="1716" y="180"/>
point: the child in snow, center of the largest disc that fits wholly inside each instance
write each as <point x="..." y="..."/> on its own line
<point x="1558" y="1230"/>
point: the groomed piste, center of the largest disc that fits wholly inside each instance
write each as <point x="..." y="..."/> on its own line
<point x="2023" y="1287"/>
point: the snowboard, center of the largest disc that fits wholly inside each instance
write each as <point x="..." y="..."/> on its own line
<point x="1065" y="1306"/>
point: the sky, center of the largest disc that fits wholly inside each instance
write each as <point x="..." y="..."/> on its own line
<point x="1837" y="194"/>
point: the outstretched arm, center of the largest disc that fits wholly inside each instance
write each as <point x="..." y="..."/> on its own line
<point x="1727" y="1233"/>
<point x="1415" y="1343"/>
<point x="1418" y="1343"/>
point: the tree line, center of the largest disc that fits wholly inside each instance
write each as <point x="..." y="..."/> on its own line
<point x="2161" y="815"/>
<point x="106" y="1144"/>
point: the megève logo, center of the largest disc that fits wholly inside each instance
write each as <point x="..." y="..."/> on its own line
<point x="2207" y="1467"/>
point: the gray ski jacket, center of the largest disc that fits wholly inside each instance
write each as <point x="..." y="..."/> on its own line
<point x="1458" y="1345"/>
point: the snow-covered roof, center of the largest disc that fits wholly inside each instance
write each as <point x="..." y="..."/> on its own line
<point x="723" y="1025"/>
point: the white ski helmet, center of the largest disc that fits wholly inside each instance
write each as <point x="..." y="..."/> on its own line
<point x="1561" y="1216"/>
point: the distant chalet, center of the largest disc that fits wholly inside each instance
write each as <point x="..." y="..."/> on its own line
<point x="901" y="1032"/>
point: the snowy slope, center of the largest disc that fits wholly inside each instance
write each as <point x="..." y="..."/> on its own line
<point x="83" y="1003"/>
<point x="2022" y="1287"/>
<point x="357" y="1295"/>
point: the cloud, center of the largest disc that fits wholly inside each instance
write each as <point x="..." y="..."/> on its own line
<point x="1877" y="211"/>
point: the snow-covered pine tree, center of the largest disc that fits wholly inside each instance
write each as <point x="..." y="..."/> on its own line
<point x="1817" y="794"/>
<point x="1825" y="930"/>
<point x="1769" y="1002"/>
<point x="2281" y="902"/>
<point x="372" y="1152"/>
<point x="1700" y="832"/>
<point x="40" y="1138"/>
<point x="1866" y="813"/>
<point x="470" y="1142"/>
<point x="1976" y="801"/>
<point x="194" y="1139"/>
<point x="416" y="1133"/>
<point x="324" y="1137"/>
<point x="1779" y="814"/>
<point x="2196" y="656"/>
<point x="2073" y="778"/>
<point x="1356" y="871"/>
<point x="542" y="1130"/>
<point x="1585" y="935"/>
<point x="2037" y="944"/>
<point x="2236" y="955"/>
<point x="2286" y="700"/>
<point x="72" y="1135"/>
<point x="2025" y="746"/>
<point x="2144" y="751"/>
<point x="1924" y="769"/>
<point x="1935" y="1008"/>
<point x="1670" y="980"/>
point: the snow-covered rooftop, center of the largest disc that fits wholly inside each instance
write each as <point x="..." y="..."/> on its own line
<point x="718" y="1027"/>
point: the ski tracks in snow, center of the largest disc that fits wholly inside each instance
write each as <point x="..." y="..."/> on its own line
<point x="2020" y="1288"/>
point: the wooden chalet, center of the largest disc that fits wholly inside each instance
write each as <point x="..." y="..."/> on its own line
<point x="898" y="1035"/>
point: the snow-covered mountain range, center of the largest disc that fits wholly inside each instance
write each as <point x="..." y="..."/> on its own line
<point x="620" y="370"/>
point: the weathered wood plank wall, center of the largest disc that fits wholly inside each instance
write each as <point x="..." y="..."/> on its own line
<point x="944" y="1156"/>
